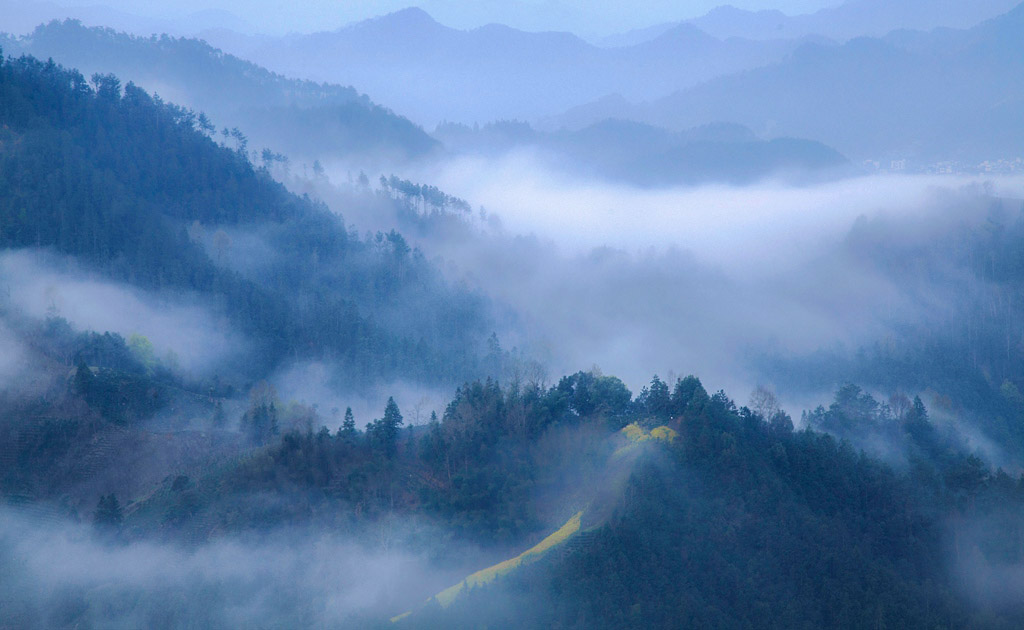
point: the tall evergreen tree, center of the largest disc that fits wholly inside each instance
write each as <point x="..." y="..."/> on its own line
<point x="108" y="515"/>
<point x="386" y="430"/>
<point x="347" y="430"/>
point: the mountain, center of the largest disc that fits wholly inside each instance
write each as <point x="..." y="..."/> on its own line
<point x="735" y="515"/>
<point x="577" y="505"/>
<point x="136" y="191"/>
<point x="896" y="97"/>
<point x="436" y="73"/>
<point x="851" y="19"/>
<point x="635" y="36"/>
<point x="854" y="18"/>
<point x="728" y="21"/>
<point x="302" y="119"/>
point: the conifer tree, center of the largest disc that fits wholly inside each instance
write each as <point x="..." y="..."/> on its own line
<point x="108" y="515"/>
<point x="347" y="430"/>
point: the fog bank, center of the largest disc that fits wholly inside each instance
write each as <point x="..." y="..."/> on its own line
<point x="180" y="328"/>
<point x="66" y="571"/>
<point x="737" y="228"/>
<point x="702" y="279"/>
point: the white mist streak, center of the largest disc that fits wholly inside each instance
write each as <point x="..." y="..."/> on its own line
<point x="174" y="324"/>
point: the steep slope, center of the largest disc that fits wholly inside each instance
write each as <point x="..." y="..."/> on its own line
<point x="630" y="442"/>
<point x="135" y="190"/>
<point x="745" y="523"/>
<point x="304" y="119"/>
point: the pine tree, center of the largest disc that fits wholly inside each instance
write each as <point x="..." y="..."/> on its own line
<point x="108" y="515"/>
<point x="387" y="429"/>
<point x="918" y="410"/>
<point x="347" y="430"/>
<point x="84" y="380"/>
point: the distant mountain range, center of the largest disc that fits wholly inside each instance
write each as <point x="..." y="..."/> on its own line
<point x="301" y="118"/>
<point x="855" y="18"/>
<point x="432" y="72"/>
<point x="889" y="97"/>
<point x="944" y="94"/>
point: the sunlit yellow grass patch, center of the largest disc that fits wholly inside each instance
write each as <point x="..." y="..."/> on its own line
<point x="485" y="576"/>
<point x="636" y="436"/>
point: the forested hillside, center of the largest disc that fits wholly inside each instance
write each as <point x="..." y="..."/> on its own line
<point x="965" y="349"/>
<point x="303" y="119"/>
<point x="742" y="522"/>
<point x="139" y="190"/>
<point x="739" y="520"/>
<point x="271" y="356"/>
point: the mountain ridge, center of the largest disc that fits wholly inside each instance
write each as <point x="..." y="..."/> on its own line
<point x="415" y="64"/>
<point x="897" y="95"/>
<point x="235" y="92"/>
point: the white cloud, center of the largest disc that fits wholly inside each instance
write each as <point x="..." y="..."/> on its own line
<point x="41" y="285"/>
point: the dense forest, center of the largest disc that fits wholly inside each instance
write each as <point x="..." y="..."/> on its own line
<point x="965" y="352"/>
<point x="363" y="432"/>
<point x="302" y="119"/>
<point x="739" y="521"/>
<point x="140" y="191"/>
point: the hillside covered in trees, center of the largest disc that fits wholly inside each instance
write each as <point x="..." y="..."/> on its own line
<point x="141" y="192"/>
<point x="302" y="119"/>
<point x="237" y="394"/>
<point x="736" y="516"/>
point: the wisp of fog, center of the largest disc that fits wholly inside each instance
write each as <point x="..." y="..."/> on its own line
<point x="699" y="278"/>
<point x="43" y="285"/>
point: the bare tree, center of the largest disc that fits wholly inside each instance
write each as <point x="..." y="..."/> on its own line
<point x="764" y="402"/>
<point x="899" y="405"/>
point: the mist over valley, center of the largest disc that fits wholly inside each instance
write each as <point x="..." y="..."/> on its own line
<point x="524" y="316"/>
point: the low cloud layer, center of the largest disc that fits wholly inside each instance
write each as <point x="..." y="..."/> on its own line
<point x="734" y="227"/>
<point x="41" y="285"/>
<point x="63" y="572"/>
<point x="323" y="385"/>
<point x="699" y="279"/>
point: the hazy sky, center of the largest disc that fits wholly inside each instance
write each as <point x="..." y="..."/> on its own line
<point x="588" y="17"/>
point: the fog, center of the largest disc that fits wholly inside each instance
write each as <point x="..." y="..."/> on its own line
<point x="324" y="385"/>
<point x="188" y="333"/>
<point x="702" y="279"/>
<point x="210" y="495"/>
<point x="737" y="228"/>
<point x="13" y="362"/>
<point x="282" y="579"/>
<point x="336" y="573"/>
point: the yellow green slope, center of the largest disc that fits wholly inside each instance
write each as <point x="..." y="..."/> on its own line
<point x="635" y="436"/>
